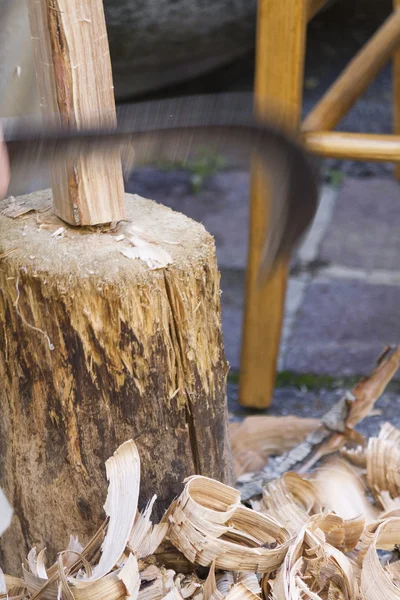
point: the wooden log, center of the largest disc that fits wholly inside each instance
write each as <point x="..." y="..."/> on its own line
<point x="355" y="79"/>
<point x="137" y="353"/>
<point x="354" y="146"/>
<point x="281" y="36"/>
<point x="73" y="70"/>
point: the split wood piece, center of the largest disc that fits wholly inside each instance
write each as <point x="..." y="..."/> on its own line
<point x="74" y="77"/>
<point x="396" y="91"/>
<point x="137" y="354"/>
<point x="354" y="146"/>
<point x="355" y="79"/>
<point x="281" y="40"/>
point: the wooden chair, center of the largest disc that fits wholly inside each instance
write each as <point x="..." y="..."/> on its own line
<point x="280" y="51"/>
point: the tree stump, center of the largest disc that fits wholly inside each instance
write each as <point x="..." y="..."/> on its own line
<point x="97" y="348"/>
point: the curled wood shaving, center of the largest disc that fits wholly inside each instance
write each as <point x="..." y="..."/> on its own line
<point x="146" y="248"/>
<point x="174" y="594"/>
<point x="188" y="585"/>
<point x="16" y="208"/>
<point x="342" y="492"/>
<point x="35" y="584"/>
<point x="391" y="506"/>
<point x="13" y="582"/>
<point x="250" y="581"/>
<point x="290" y="499"/>
<point x="123" y="473"/>
<point x="334" y="431"/>
<point x="40" y="564"/>
<point x="241" y="592"/>
<point x="334" y="490"/>
<point x="356" y="456"/>
<point x="213" y="592"/>
<point x="129" y="575"/>
<point x="208" y="523"/>
<point x="367" y="392"/>
<point x="314" y="568"/>
<point x="383" y="462"/>
<point x="144" y="539"/>
<point x="109" y="587"/>
<point x="257" y="438"/>
<point x="171" y="558"/>
<point x="377" y="581"/>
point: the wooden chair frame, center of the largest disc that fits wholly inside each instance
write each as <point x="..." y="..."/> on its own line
<point x="280" y="52"/>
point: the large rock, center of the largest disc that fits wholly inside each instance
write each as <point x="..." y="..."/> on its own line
<point x="155" y="43"/>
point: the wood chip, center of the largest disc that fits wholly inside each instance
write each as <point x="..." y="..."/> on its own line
<point x="15" y="208"/>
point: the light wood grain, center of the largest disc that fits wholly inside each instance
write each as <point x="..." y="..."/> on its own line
<point x="354" y="146"/>
<point x="73" y="70"/>
<point x="281" y="31"/>
<point x="355" y="79"/>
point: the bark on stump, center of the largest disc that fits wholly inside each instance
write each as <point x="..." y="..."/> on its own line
<point x="138" y="353"/>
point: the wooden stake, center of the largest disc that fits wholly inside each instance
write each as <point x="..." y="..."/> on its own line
<point x="73" y="71"/>
<point x="355" y="79"/>
<point x="354" y="146"/>
<point x="281" y="40"/>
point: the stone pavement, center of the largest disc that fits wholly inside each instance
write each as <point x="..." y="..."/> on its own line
<point x="343" y="298"/>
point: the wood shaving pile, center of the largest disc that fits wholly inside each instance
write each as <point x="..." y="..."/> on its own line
<point x="326" y="530"/>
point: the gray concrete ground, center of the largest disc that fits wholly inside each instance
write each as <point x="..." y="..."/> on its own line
<point x="343" y="298"/>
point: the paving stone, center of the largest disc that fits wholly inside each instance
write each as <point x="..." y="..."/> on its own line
<point x="287" y="401"/>
<point x="342" y="327"/>
<point x="232" y="301"/>
<point x="364" y="231"/>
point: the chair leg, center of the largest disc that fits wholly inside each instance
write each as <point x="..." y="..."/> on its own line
<point x="396" y="92"/>
<point x="281" y="39"/>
